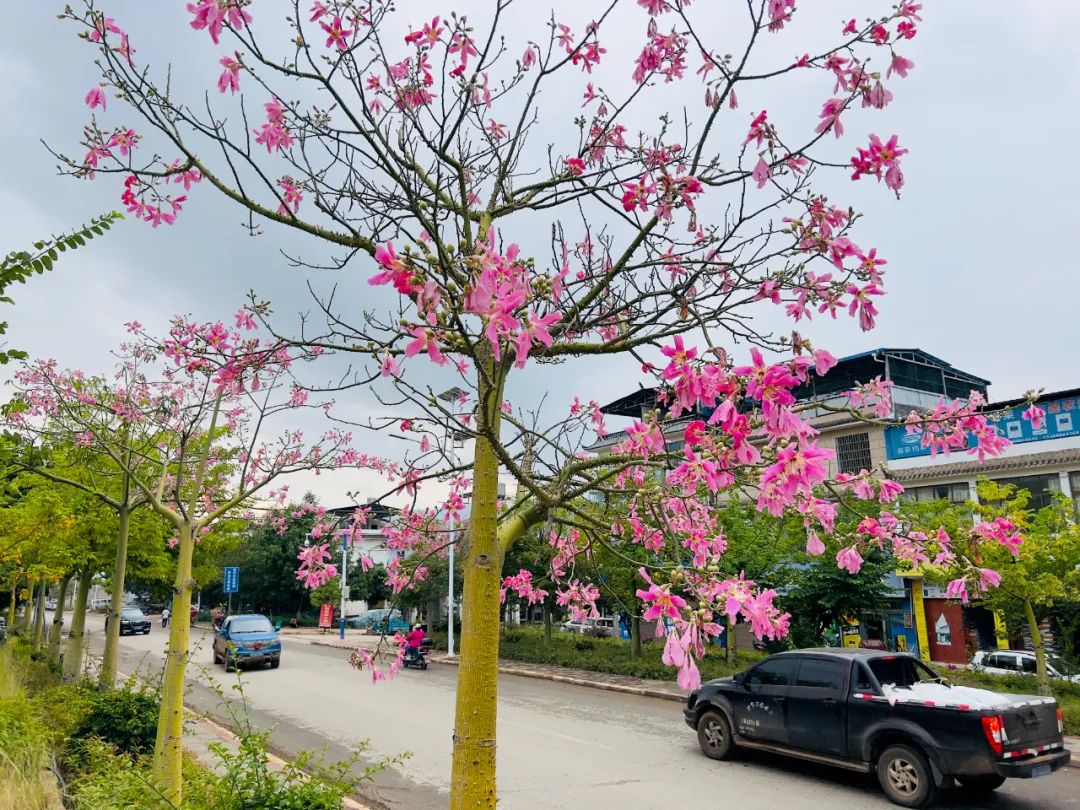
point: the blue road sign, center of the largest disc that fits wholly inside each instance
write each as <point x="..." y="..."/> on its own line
<point x="232" y="579"/>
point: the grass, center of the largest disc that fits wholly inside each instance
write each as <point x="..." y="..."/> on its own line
<point x="609" y="655"/>
<point x="1066" y="693"/>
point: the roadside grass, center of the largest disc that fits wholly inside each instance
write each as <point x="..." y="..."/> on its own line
<point x="608" y="655"/>
<point x="1066" y="693"/>
<point x="70" y="747"/>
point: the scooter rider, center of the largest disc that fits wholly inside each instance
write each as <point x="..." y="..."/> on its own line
<point x="414" y="640"/>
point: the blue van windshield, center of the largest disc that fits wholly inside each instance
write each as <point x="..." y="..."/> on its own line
<point x="251" y="624"/>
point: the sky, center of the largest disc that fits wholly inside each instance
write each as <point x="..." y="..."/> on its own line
<point x="980" y="246"/>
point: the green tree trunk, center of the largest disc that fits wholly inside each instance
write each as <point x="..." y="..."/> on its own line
<point x="11" y="607"/>
<point x="57" y="628"/>
<point x="635" y="637"/>
<point x="25" y="622"/>
<point x="107" y="678"/>
<point x="547" y="624"/>
<point x="168" y="748"/>
<point x="730" y="632"/>
<point x="1040" y="651"/>
<point x="73" y="655"/>
<point x="39" y="616"/>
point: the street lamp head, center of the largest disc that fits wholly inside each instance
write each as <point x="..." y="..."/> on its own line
<point x="451" y="394"/>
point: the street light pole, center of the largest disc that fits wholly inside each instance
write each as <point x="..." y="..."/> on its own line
<point x="449" y="397"/>
<point x="344" y="585"/>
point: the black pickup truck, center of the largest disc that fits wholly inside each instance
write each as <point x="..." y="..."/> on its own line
<point x="867" y="710"/>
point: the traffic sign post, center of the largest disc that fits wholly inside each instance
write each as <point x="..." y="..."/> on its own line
<point x="232" y="582"/>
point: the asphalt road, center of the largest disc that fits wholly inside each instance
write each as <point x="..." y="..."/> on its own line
<point x="560" y="746"/>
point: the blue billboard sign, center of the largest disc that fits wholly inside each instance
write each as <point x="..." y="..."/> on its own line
<point x="232" y="579"/>
<point x="1062" y="420"/>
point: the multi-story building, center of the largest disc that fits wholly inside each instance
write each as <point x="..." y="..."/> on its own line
<point x="1042" y="461"/>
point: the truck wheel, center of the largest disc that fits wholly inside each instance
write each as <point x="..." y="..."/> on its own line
<point x="275" y="663"/>
<point x="714" y="735"/>
<point x="905" y="776"/>
<point x="981" y="784"/>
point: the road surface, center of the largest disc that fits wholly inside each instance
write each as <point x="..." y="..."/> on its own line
<point x="560" y="746"/>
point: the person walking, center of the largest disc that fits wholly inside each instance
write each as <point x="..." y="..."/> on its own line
<point x="165" y="613"/>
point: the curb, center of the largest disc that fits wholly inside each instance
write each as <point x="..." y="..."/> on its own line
<point x="641" y="691"/>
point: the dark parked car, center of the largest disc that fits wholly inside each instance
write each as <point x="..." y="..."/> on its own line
<point x="132" y="621"/>
<point x="246" y="639"/>
<point x="866" y="711"/>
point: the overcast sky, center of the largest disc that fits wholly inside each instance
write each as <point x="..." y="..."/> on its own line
<point x="980" y="248"/>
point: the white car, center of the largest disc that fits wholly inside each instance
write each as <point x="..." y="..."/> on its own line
<point x="1020" y="662"/>
<point x="604" y="626"/>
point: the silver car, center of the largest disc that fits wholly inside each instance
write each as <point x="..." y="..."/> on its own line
<point x="1021" y="662"/>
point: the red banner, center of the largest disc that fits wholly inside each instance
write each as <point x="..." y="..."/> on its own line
<point x="326" y="615"/>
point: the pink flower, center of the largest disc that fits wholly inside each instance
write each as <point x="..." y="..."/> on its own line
<point x="389" y="366"/>
<point x="213" y="15"/>
<point x="762" y="172"/>
<point x="664" y="604"/>
<point x="899" y="65"/>
<point x="830" y="117"/>
<point x="849" y="559"/>
<point x="823" y="362"/>
<point x="230" y="77"/>
<point x="336" y="34"/>
<point x="575" y="166"/>
<point x="988" y="578"/>
<point x="536" y="329"/>
<point x="957" y="589"/>
<point x="425" y="341"/>
<point x="1035" y="415"/>
<point x="814" y="546"/>
<point x="95" y="97"/>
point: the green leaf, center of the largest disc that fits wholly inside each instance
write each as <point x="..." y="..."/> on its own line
<point x="47" y="261"/>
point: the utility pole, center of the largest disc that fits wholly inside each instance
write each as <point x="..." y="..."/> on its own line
<point x="344" y="572"/>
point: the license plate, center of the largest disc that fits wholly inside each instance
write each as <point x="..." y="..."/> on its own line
<point x="1040" y="770"/>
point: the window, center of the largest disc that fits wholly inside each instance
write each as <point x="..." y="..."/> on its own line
<point x="942" y="631"/>
<point x="900" y="670"/>
<point x="250" y="624"/>
<point x="820" y="674"/>
<point x="1041" y="487"/>
<point x="1028" y="664"/>
<point x="862" y="678"/>
<point x="777" y="672"/>
<point x="1002" y="661"/>
<point x="853" y="452"/>
<point x="953" y="493"/>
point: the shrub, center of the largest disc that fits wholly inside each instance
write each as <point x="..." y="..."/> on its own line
<point x="124" y="718"/>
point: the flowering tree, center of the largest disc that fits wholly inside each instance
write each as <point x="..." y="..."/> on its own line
<point x="439" y="148"/>
<point x="196" y="430"/>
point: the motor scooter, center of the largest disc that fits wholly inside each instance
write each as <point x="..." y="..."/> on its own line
<point x="417" y="657"/>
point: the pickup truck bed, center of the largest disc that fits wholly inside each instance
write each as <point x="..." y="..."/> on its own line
<point x="874" y="711"/>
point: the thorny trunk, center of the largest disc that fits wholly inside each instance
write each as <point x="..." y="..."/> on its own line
<point x="635" y="637"/>
<point x="28" y="606"/>
<point x="168" y="746"/>
<point x="57" y="628"/>
<point x="1040" y="651"/>
<point x="39" y="616"/>
<point x="547" y="623"/>
<point x="73" y="655"/>
<point x="107" y="678"/>
<point x="473" y="773"/>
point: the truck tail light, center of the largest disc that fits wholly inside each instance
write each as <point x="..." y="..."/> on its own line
<point x="994" y="729"/>
<point x="1061" y="722"/>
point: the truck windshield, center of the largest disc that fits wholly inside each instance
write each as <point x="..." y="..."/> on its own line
<point x="253" y="624"/>
<point x="900" y="671"/>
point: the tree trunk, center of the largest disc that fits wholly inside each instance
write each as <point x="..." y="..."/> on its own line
<point x="547" y="623"/>
<point x="635" y="637"/>
<point x="28" y="606"/>
<point x="472" y="784"/>
<point x="58" y="622"/>
<point x="1040" y="651"/>
<point x="39" y="616"/>
<point x="168" y="750"/>
<point x="73" y="655"/>
<point x="730" y="641"/>
<point x="107" y="679"/>
<point x="11" y="607"/>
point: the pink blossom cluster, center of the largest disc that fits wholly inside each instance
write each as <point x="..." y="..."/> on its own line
<point x="521" y="584"/>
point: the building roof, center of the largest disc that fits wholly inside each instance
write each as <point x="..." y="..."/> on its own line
<point x="933" y="472"/>
<point x="1046" y="397"/>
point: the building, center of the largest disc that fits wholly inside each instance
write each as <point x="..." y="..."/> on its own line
<point x="1043" y="461"/>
